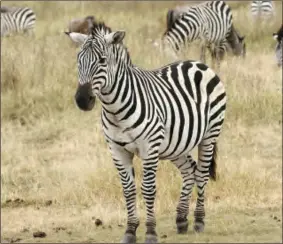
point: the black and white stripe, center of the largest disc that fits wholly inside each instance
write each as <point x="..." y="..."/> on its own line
<point x="210" y="21"/>
<point x="160" y="114"/>
<point x="278" y="36"/>
<point x="17" y="20"/>
<point x="261" y="9"/>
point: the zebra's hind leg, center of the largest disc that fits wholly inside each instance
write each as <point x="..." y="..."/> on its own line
<point x="186" y="165"/>
<point x="205" y="168"/>
<point x="123" y="162"/>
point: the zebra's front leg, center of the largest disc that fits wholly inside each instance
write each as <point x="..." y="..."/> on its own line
<point x="186" y="165"/>
<point x="123" y="162"/>
<point x="206" y="165"/>
<point x="150" y="165"/>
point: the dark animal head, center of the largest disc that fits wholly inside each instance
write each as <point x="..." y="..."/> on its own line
<point x="237" y="43"/>
<point x="279" y="34"/>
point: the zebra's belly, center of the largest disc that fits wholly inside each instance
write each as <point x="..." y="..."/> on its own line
<point x="181" y="142"/>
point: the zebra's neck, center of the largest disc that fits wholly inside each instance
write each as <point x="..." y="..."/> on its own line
<point x="115" y="94"/>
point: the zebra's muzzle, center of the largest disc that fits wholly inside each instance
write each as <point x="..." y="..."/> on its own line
<point x="84" y="97"/>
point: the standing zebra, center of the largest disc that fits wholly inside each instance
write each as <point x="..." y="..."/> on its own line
<point x="158" y="114"/>
<point x="263" y="9"/>
<point x="278" y="36"/>
<point x="17" y="20"/>
<point x="210" y="21"/>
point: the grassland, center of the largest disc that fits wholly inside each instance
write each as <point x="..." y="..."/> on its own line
<point x="51" y="151"/>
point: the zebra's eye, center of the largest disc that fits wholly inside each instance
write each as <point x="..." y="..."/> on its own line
<point x="102" y="60"/>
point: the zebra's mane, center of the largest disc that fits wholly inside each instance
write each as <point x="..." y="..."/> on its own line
<point x="99" y="28"/>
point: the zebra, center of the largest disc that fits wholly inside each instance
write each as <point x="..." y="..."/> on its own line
<point x="209" y="21"/>
<point x="278" y="36"/>
<point x="159" y="114"/>
<point x="18" y="20"/>
<point x="263" y="9"/>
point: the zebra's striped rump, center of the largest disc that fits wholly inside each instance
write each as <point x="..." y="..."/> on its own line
<point x="261" y="9"/>
<point x="17" y="20"/>
<point x="155" y="114"/>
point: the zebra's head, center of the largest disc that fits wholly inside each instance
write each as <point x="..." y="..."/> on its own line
<point x="237" y="42"/>
<point x="101" y="53"/>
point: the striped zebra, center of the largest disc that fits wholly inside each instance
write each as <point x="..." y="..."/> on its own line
<point x="18" y="20"/>
<point x="261" y="9"/>
<point x="211" y="22"/>
<point x="160" y="114"/>
<point x="278" y="36"/>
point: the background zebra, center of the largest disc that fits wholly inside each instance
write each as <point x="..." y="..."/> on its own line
<point x="210" y="21"/>
<point x="17" y="20"/>
<point x="278" y="36"/>
<point x="158" y="114"/>
<point x="263" y="9"/>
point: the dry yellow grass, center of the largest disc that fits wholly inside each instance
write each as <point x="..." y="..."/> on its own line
<point x="53" y="151"/>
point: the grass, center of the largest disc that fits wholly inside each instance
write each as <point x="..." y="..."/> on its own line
<point x="52" y="151"/>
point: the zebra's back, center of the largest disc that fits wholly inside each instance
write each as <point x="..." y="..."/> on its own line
<point x="18" y="20"/>
<point x="209" y="21"/>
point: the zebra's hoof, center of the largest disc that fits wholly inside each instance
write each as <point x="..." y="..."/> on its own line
<point x="129" y="238"/>
<point x="150" y="238"/>
<point x="182" y="228"/>
<point x="199" y="226"/>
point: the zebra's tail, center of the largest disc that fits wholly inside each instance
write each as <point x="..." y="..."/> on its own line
<point x="212" y="167"/>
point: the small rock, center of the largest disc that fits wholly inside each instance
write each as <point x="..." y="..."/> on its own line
<point x="98" y="222"/>
<point x="278" y="220"/>
<point x="252" y="221"/>
<point x="57" y="229"/>
<point x="13" y="240"/>
<point x="93" y="218"/>
<point x="8" y="201"/>
<point x="18" y="200"/>
<point x="48" y="202"/>
<point x="120" y="225"/>
<point x="109" y="226"/>
<point x="217" y="198"/>
<point x="164" y="236"/>
<point x="39" y="234"/>
<point x="69" y="232"/>
<point x="275" y="217"/>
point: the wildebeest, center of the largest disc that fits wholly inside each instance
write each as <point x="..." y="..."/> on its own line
<point x="278" y="36"/>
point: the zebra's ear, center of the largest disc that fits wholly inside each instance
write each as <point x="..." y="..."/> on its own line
<point x="115" y="37"/>
<point x="77" y="37"/>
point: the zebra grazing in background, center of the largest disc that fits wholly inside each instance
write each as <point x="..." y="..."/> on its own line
<point x="210" y="21"/>
<point x="278" y="36"/>
<point x="160" y="114"/>
<point x="17" y="20"/>
<point x="263" y="9"/>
